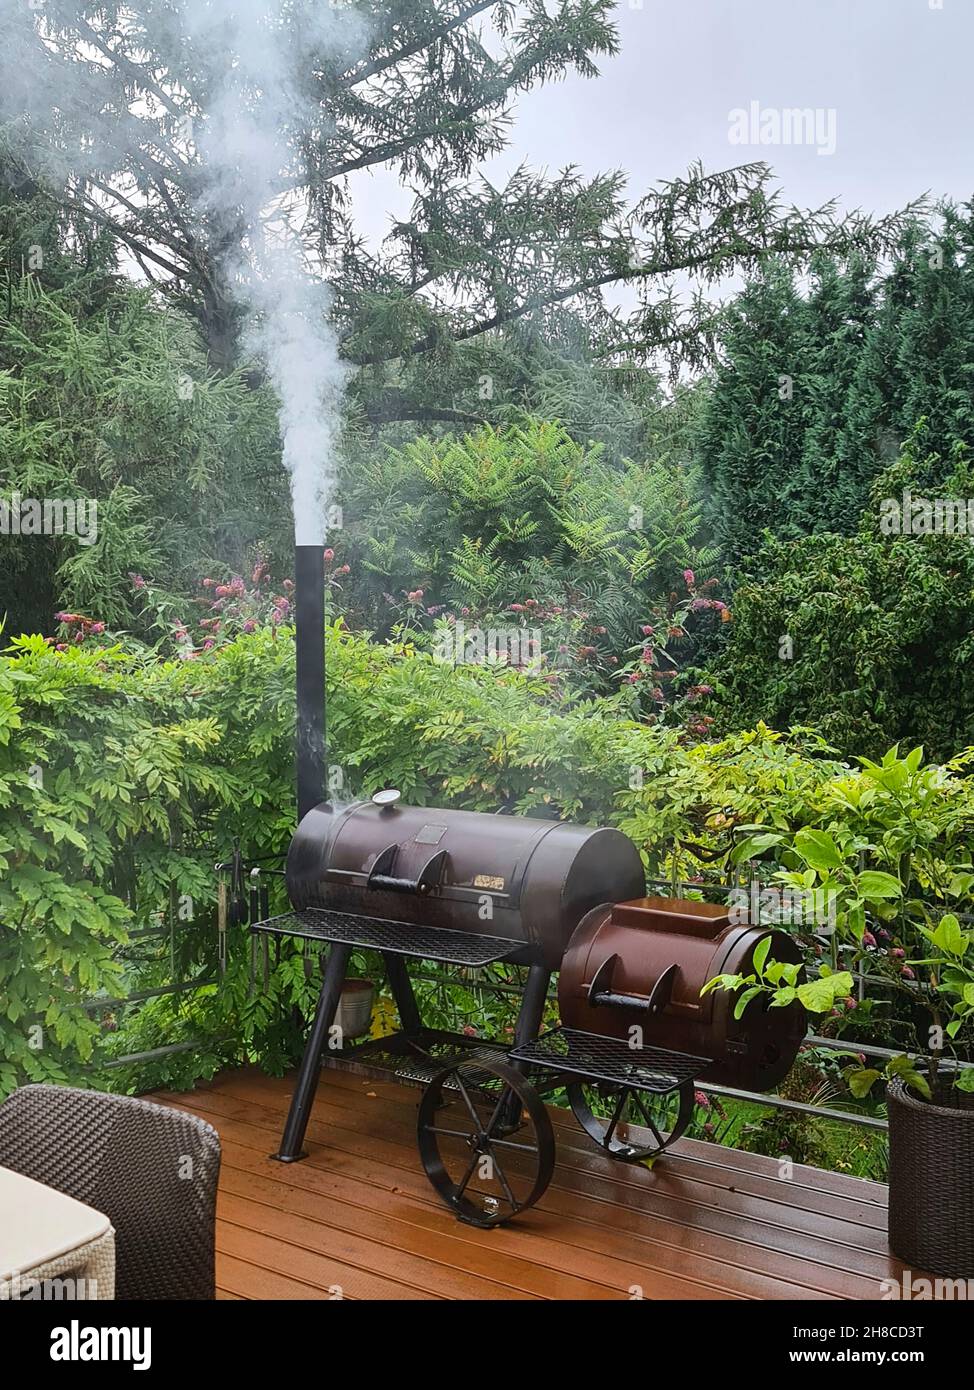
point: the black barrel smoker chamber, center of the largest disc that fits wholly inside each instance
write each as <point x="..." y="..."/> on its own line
<point x="469" y="889"/>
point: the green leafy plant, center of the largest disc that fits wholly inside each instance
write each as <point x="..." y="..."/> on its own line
<point x="777" y="983"/>
<point x="879" y="626"/>
<point x="526" y="526"/>
<point x="891" y="833"/>
<point x="950" y="987"/>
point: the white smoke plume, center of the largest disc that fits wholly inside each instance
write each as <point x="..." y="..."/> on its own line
<point x="257" y="65"/>
<point x="260" y="108"/>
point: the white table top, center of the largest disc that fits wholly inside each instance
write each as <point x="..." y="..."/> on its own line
<point x="38" y="1224"/>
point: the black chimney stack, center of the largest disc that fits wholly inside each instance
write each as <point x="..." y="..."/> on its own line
<point x="309" y="642"/>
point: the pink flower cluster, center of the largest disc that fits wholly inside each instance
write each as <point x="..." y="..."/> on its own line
<point x="78" y="627"/>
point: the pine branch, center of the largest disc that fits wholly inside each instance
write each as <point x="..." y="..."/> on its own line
<point x="393" y="406"/>
<point x="391" y="60"/>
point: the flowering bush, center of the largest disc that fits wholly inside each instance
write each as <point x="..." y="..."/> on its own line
<point x="558" y="638"/>
<point x="223" y="610"/>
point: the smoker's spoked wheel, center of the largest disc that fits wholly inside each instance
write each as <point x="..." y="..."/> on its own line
<point x="630" y="1124"/>
<point x="485" y="1139"/>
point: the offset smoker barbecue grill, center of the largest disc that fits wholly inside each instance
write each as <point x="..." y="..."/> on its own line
<point x="469" y="889"/>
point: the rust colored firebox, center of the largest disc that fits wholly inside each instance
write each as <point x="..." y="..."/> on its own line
<point x="643" y="964"/>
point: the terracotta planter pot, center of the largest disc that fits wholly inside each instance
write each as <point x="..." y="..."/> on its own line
<point x="931" y="1182"/>
<point x="355" y="1008"/>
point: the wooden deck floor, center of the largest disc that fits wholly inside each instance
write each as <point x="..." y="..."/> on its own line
<point x="359" y="1215"/>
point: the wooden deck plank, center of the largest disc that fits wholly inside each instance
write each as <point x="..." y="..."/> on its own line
<point x="446" y="1257"/>
<point x="725" y="1184"/>
<point x="252" y="1281"/>
<point x="699" y="1240"/>
<point x="317" y="1269"/>
<point x="594" y="1188"/>
<point x="359" y="1216"/>
<point x="613" y="1257"/>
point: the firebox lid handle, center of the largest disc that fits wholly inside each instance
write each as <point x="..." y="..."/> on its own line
<point x="663" y="988"/>
<point x="602" y="979"/>
<point x="600" y="991"/>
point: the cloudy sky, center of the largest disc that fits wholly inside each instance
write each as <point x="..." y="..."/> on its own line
<point x="895" y="73"/>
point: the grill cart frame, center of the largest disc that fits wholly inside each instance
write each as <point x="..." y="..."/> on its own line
<point x="396" y="941"/>
<point x="510" y="1081"/>
<point x="469" y="889"/>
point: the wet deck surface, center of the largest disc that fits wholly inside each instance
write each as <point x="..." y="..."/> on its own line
<point x="358" y="1219"/>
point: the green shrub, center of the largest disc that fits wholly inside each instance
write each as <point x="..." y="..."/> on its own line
<point x="868" y="638"/>
<point x="527" y="521"/>
<point x="124" y="778"/>
<point x="105" y="396"/>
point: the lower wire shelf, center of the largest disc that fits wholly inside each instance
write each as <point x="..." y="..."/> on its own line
<point x="413" y="1059"/>
<point x="612" y="1060"/>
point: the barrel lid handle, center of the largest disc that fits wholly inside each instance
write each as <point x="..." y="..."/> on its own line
<point x="386" y="798"/>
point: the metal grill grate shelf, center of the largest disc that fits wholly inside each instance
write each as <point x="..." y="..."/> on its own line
<point x="610" y="1059"/>
<point x="423" y="1072"/>
<point x="399" y="938"/>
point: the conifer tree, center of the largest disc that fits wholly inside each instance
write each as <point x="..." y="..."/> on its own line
<point x="753" y="432"/>
<point x="918" y="358"/>
<point x="476" y="273"/>
<point x="875" y="355"/>
<point x="837" y="462"/>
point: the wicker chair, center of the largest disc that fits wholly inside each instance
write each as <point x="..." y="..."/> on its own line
<point x="151" y="1170"/>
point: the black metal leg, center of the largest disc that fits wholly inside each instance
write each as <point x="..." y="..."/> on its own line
<point x="531" y="1012"/>
<point x="307" y="1082"/>
<point x="527" y="1028"/>
<point x="402" y="992"/>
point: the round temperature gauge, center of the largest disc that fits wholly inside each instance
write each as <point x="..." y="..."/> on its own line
<point x="386" y="798"/>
